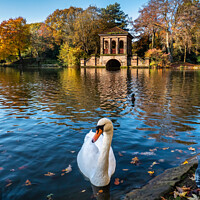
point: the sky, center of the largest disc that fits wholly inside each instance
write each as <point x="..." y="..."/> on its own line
<point x="38" y="10"/>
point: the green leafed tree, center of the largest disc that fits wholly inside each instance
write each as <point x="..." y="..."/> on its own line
<point x="113" y="15"/>
<point x="70" y="56"/>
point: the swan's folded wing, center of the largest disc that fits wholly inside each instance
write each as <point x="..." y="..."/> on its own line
<point x="112" y="163"/>
<point x="87" y="157"/>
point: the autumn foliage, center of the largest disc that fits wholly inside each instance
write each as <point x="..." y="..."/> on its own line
<point x="14" y="38"/>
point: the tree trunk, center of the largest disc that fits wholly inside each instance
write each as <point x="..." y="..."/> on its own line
<point x="20" y="57"/>
<point x="185" y="54"/>
<point x="168" y="48"/>
<point x="153" y="39"/>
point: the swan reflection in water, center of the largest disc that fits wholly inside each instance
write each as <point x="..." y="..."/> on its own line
<point x="101" y="193"/>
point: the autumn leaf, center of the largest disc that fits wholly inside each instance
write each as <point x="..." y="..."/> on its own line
<point x="154" y="163"/>
<point x="49" y="174"/>
<point x="100" y="191"/>
<point x="68" y="169"/>
<point x="83" y="190"/>
<point x="125" y="170"/>
<point x="22" y="167"/>
<point x="1" y="168"/>
<point x="195" y="197"/>
<point x="185" y="162"/>
<point x="120" y="154"/>
<point x="27" y="183"/>
<point x="151" y="172"/>
<point x="165" y="148"/>
<point x="135" y="160"/>
<point x="117" y="181"/>
<point x="191" y="148"/>
<point x="9" y="184"/>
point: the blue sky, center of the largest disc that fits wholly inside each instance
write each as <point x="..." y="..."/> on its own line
<point x="38" y="10"/>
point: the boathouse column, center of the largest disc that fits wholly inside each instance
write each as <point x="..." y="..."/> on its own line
<point x="102" y="46"/>
<point x="125" y="46"/>
<point x="110" y="46"/>
<point x="117" y="46"/>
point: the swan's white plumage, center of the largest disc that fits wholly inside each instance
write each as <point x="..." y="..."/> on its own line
<point x="88" y="158"/>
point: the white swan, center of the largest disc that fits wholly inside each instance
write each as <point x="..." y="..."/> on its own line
<point x="96" y="159"/>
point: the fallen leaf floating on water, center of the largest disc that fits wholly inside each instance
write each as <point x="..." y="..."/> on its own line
<point x="49" y="174"/>
<point x="117" y="181"/>
<point x="100" y="191"/>
<point x="83" y="190"/>
<point x="135" y="161"/>
<point x="154" y="163"/>
<point x="68" y="169"/>
<point x="120" y="154"/>
<point x="185" y="162"/>
<point x="1" y="168"/>
<point x="151" y="172"/>
<point x="125" y="170"/>
<point x="191" y="148"/>
<point x="165" y="148"/>
<point x="153" y="150"/>
<point x="27" y="183"/>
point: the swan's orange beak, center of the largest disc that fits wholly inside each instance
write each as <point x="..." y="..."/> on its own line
<point x="99" y="131"/>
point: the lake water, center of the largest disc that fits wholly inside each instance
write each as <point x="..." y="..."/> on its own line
<point x="46" y="113"/>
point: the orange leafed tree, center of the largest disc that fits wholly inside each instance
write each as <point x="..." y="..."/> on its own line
<point x="14" y="38"/>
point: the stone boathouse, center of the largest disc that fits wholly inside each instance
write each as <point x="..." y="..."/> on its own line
<point x="115" y="51"/>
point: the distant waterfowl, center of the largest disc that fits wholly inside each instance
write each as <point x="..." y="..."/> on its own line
<point x="133" y="98"/>
<point x="96" y="159"/>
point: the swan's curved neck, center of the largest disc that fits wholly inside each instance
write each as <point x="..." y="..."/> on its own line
<point x="103" y="161"/>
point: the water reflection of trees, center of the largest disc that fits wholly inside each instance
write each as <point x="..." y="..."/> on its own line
<point x="166" y="100"/>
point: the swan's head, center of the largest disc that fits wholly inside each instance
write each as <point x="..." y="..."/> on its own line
<point x="103" y="125"/>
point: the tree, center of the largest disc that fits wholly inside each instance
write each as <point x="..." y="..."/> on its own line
<point x="86" y="29"/>
<point x="70" y="56"/>
<point x="145" y="24"/>
<point x="112" y="16"/>
<point x="187" y="25"/>
<point x="61" y="23"/>
<point x="41" y="39"/>
<point x="14" y="36"/>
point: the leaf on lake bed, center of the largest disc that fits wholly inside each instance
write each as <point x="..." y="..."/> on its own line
<point x="49" y="174"/>
<point x="9" y="184"/>
<point x="22" y="167"/>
